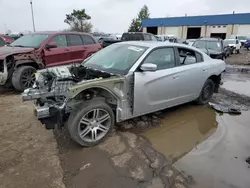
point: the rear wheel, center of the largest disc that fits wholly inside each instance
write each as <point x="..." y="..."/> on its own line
<point x="206" y="92"/>
<point x="23" y="77"/>
<point x="91" y="122"/>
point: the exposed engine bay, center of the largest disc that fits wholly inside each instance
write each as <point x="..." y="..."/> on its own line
<point x="53" y="83"/>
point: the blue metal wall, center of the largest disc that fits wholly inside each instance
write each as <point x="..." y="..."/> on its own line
<point x="224" y="19"/>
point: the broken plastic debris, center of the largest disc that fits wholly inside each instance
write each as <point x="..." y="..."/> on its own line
<point x="225" y="109"/>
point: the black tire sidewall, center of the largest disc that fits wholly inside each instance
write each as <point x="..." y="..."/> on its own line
<point x="78" y="113"/>
<point x="16" y="77"/>
<point x="200" y="99"/>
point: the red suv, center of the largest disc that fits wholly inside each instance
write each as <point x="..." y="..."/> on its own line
<point x="20" y="60"/>
<point x="4" y="39"/>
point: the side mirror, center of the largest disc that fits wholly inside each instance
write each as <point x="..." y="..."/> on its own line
<point x="148" y="67"/>
<point x="51" y="45"/>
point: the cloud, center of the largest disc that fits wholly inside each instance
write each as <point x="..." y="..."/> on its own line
<point x="107" y="15"/>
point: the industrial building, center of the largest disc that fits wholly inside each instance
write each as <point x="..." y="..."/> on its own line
<point x="189" y="27"/>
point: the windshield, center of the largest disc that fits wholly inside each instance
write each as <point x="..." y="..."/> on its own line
<point x="242" y="37"/>
<point x="30" y="41"/>
<point x="227" y="42"/>
<point x="116" y="58"/>
<point x="203" y="44"/>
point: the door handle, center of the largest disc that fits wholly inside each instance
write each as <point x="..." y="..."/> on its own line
<point x="204" y="70"/>
<point x="67" y="50"/>
<point x="176" y="76"/>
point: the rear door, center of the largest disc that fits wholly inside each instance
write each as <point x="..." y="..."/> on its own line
<point x="77" y="49"/>
<point x="193" y="72"/>
<point x="59" y="55"/>
<point x="90" y="46"/>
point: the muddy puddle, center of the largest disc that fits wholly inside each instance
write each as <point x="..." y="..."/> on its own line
<point x="182" y="129"/>
<point x="238" y="83"/>
<point x="209" y="147"/>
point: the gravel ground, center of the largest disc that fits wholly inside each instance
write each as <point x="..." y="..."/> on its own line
<point x="28" y="153"/>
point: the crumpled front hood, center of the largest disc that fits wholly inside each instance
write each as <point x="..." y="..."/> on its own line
<point x="8" y="50"/>
<point x="232" y="45"/>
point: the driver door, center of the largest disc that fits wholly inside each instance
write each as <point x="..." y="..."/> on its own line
<point x="59" y="55"/>
<point x="155" y="90"/>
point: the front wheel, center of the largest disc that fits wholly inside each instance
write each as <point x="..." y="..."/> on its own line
<point x="91" y="122"/>
<point x="206" y="92"/>
<point x="23" y="77"/>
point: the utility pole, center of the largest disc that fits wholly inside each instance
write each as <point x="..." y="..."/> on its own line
<point x="32" y="13"/>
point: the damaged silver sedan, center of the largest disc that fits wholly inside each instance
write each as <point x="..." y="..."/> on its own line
<point x="122" y="81"/>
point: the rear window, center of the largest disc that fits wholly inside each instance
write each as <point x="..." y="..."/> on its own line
<point x="87" y="40"/>
<point x="131" y="36"/>
<point x="74" y="40"/>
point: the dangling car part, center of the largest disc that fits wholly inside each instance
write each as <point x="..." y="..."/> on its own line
<point x="122" y="81"/>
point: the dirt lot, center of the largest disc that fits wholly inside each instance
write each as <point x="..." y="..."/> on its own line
<point x="243" y="58"/>
<point x="31" y="156"/>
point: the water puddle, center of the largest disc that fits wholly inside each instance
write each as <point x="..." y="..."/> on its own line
<point x="238" y="83"/>
<point x="219" y="161"/>
<point x="183" y="128"/>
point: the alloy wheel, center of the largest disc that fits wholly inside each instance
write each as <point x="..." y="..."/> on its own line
<point x="94" y="125"/>
<point x="28" y="78"/>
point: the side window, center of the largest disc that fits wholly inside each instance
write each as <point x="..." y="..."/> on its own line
<point x="60" y="41"/>
<point x="199" y="57"/>
<point x="74" y="40"/>
<point x="87" y="40"/>
<point x="153" y="38"/>
<point x="2" y="43"/>
<point x="147" y="37"/>
<point x="164" y="58"/>
<point x="187" y="57"/>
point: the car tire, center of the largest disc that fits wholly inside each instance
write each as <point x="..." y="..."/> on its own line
<point x="23" y="77"/>
<point x="82" y="124"/>
<point x="206" y="93"/>
<point x="248" y="48"/>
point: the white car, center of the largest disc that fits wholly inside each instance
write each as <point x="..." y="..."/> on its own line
<point x="234" y="44"/>
<point x="120" y="82"/>
<point x="241" y="38"/>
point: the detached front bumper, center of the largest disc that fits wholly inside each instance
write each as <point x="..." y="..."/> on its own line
<point x="52" y="117"/>
<point x="3" y="72"/>
<point x="51" y="114"/>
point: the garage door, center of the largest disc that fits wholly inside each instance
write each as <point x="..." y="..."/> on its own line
<point x="244" y="30"/>
<point x="172" y="31"/>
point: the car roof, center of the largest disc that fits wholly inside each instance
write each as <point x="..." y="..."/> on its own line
<point x="209" y="39"/>
<point x="58" y="32"/>
<point x="155" y="44"/>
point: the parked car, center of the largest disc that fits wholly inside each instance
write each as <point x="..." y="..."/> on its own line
<point x="212" y="46"/>
<point x="20" y="60"/>
<point x="247" y="44"/>
<point x="131" y="36"/>
<point x="4" y="39"/>
<point x="241" y="38"/>
<point x="123" y="81"/>
<point x="234" y="45"/>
